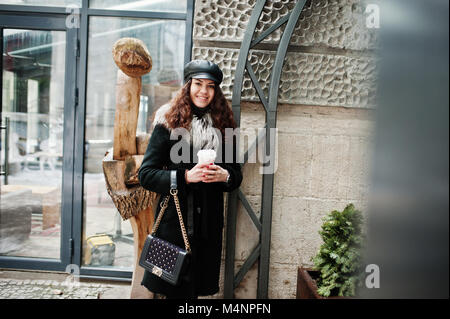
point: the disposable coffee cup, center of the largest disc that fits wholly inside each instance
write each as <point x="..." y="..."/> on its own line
<point x="206" y="156"/>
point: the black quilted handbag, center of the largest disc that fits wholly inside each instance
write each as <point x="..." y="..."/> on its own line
<point x="160" y="257"/>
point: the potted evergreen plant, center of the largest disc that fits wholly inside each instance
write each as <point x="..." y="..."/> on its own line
<point x="338" y="270"/>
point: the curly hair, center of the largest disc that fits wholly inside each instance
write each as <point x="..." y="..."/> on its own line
<point x="180" y="113"/>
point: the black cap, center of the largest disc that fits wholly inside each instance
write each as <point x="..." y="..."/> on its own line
<point x="202" y="69"/>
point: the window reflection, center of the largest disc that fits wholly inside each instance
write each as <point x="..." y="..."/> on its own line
<point x="33" y="104"/>
<point x="141" y="5"/>
<point x="165" y="41"/>
<point x="53" y="3"/>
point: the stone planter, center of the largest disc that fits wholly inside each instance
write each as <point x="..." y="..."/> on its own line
<point x="307" y="287"/>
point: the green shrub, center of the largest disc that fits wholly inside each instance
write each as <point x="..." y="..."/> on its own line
<point x="339" y="260"/>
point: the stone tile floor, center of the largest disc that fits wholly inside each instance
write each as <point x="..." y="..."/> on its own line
<point x="46" y="285"/>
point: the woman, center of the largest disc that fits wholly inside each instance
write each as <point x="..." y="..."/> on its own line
<point x="201" y="110"/>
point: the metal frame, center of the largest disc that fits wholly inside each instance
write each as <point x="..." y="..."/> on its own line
<point x="262" y="249"/>
<point x="30" y="16"/>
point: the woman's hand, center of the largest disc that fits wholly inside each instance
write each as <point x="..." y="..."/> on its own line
<point x="196" y="174"/>
<point x="214" y="173"/>
<point x="207" y="173"/>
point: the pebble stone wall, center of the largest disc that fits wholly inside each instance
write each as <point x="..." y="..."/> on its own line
<point x="49" y="289"/>
<point x="324" y="120"/>
<point x="330" y="60"/>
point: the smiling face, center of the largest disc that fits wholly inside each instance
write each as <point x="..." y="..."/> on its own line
<point x="202" y="92"/>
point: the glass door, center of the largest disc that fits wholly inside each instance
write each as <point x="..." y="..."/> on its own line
<point x="37" y="112"/>
<point x="100" y="215"/>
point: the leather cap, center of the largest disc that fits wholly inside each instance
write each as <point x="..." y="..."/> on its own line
<point x="202" y="69"/>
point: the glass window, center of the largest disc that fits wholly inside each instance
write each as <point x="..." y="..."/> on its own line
<point x="33" y="104"/>
<point x="165" y="41"/>
<point x="50" y="3"/>
<point x="142" y="5"/>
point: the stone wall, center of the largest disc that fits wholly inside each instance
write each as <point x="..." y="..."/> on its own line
<point x="324" y="121"/>
<point x="329" y="62"/>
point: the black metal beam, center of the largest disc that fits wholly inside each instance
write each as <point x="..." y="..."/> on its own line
<point x="32" y="9"/>
<point x="263" y="35"/>
<point x="189" y="30"/>
<point x="270" y="105"/>
<point x="250" y="211"/>
<point x="38" y="21"/>
<point x="258" y="88"/>
<point x="230" y="245"/>
<point x="247" y="265"/>
<point x="80" y="112"/>
<point x="70" y="76"/>
<point x="242" y="60"/>
<point x="236" y="107"/>
<point x="267" y="197"/>
<point x="255" y="143"/>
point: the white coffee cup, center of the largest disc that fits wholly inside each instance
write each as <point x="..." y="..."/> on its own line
<point x="206" y="156"/>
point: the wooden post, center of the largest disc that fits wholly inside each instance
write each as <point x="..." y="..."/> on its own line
<point x="134" y="203"/>
<point x="121" y="166"/>
<point x="141" y="224"/>
<point x="128" y="92"/>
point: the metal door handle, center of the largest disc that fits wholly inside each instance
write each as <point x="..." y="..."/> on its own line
<point x="5" y="172"/>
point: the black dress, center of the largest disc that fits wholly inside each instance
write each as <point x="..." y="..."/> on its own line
<point x="203" y="201"/>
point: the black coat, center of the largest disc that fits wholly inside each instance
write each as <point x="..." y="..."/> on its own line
<point x="206" y="201"/>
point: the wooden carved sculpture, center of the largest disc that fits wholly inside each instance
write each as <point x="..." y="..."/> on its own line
<point x="121" y="166"/>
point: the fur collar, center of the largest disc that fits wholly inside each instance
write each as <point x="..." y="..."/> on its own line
<point x="202" y="133"/>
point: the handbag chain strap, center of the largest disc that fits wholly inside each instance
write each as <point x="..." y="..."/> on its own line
<point x="180" y="217"/>
<point x="164" y="205"/>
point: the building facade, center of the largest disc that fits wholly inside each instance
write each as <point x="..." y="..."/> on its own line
<point x="326" y="99"/>
<point x="324" y="119"/>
